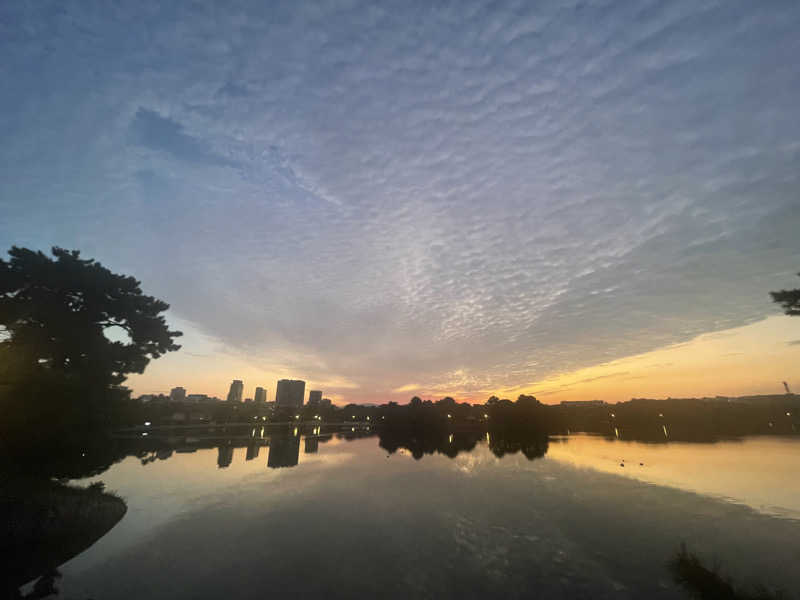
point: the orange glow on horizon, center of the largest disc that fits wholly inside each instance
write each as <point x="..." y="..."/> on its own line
<point x="753" y="359"/>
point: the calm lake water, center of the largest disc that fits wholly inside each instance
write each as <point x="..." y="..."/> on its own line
<point x="349" y="519"/>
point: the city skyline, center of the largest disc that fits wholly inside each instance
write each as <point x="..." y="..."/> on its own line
<point x="753" y="359"/>
<point x="288" y="388"/>
<point x="694" y="367"/>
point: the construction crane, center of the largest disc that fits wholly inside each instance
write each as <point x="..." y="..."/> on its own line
<point x="786" y="386"/>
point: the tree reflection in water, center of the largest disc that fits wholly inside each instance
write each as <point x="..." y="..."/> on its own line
<point x="48" y="522"/>
<point x="419" y="443"/>
<point x="78" y="517"/>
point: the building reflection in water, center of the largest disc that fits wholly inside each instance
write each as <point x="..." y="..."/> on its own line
<point x="252" y="451"/>
<point x="284" y="451"/>
<point x="312" y="445"/>
<point x="224" y="456"/>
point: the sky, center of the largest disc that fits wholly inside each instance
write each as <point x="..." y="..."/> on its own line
<point x="570" y="199"/>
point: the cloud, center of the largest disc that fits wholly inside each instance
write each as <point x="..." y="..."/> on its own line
<point x="598" y="377"/>
<point x="462" y="197"/>
<point x="409" y="387"/>
<point x="164" y="134"/>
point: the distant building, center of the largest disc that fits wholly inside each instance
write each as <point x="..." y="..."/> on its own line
<point x="314" y="398"/>
<point x="325" y="403"/>
<point x="235" y="393"/>
<point x="201" y="398"/>
<point x="177" y="394"/>
<point x="260" y="395"/>
<point x="289" y="393"/>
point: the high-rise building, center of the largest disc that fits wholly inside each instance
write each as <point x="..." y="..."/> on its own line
<point x="314" y="397"/>
<point x="290" y="392"/>
<point x="235" y="393"/>
<point x="261" y="395"/>
<point x="177" y="394"/>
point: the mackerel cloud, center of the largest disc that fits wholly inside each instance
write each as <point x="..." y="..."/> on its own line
<point x="435" y="196"/>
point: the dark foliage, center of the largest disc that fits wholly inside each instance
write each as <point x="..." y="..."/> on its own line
<point x="45" y="524"/>
<point x="56" y="314"/>
<point x="790" y="299"/>
<point x="59" y="358"/>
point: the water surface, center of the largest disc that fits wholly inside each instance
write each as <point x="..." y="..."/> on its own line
<point x="347" y="518"/>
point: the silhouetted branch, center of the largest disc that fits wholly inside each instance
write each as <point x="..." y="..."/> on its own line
<point x="789" y="299"/>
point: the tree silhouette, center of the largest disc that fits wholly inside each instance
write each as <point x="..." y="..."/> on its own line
<point x="790" y="299"/>
<point x="71" y="321"/>
<point x="527" y="401"/>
